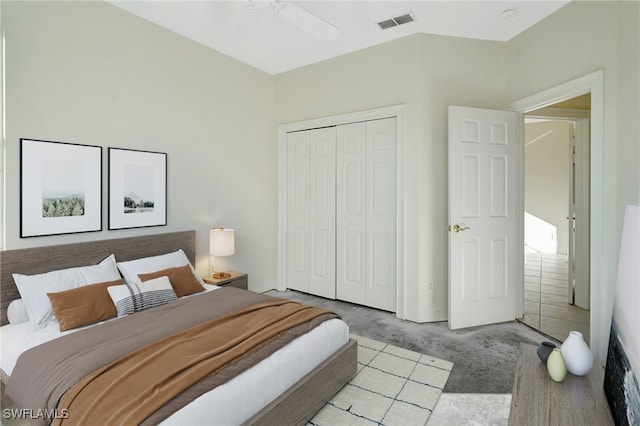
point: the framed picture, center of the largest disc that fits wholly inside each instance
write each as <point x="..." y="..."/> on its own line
<point x="60" y="188"/>
<point x="137" y="188"/>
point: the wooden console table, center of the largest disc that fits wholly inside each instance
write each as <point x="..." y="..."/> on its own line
<point x="538" y="400"/>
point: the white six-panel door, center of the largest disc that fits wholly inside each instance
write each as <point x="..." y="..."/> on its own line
<point x="311" y="245"/>
<point x="366" y="213"/>
<point x="482" y="216"/>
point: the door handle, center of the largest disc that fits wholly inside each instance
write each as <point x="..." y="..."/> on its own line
<point x="458" y="228"/>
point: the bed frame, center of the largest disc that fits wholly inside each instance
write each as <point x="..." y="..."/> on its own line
<point x="295" y="406"/>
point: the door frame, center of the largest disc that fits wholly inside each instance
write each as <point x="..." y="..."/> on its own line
<point x="397" y="111"/>
<point x="591" y="83"/>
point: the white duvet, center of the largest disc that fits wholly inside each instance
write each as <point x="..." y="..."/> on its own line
<point x="231" y="403"/>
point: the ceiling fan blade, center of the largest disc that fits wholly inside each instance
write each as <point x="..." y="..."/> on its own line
<point x="306" y="21"/>
<point x="257" y="5"/>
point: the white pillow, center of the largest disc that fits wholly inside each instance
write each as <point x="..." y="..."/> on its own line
<point x="34" y="288"/>
<point x="130" y="298"/>
<point x="147" y="265"/>
<point x="17" y="312"/>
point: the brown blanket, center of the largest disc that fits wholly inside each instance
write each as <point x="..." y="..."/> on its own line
<point x="169" y="362"/>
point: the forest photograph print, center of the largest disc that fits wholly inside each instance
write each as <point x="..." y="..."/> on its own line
<point x="63" y="190"/>
<point x="60" y="188"/>
<point x="137" y="188"/>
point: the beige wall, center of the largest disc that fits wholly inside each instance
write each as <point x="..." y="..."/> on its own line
<point x="420" y="72"/>
<point x="546" y="179"/>
<point x="90" y="73"/>
<point x="579" y="39"/>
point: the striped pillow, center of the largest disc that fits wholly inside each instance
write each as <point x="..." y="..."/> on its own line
<point x="130" y="298"/>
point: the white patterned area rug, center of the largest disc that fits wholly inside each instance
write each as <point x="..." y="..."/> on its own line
<point x="393" y="386"/>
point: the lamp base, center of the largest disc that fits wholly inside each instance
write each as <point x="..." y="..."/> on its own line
<point x="219" y="275"/>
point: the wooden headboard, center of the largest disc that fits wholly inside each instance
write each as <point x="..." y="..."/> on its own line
<point x="30" y="261"/>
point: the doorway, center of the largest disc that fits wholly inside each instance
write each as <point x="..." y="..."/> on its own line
<point x="556" y="218"/>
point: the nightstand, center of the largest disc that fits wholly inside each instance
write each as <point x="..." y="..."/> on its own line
<point x="237" y="279"/>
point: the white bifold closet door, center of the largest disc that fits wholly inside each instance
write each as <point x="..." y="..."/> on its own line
<point x="366" y="213"/>
<point x="311" y="217"/>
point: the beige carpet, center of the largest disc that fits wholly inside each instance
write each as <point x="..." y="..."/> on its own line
<point x="393" y="386"/>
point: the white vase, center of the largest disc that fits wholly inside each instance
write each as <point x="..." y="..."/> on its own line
<point x="577" y="355"/>
<point x="555" y="365"/>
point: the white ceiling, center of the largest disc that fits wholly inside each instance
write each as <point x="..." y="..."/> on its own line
<point x="268" y="42"/>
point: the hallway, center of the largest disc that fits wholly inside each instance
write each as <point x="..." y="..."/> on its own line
<point x="545" y="297"/>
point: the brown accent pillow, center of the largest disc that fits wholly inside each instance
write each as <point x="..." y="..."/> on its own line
<point x="181" y="278"/>
<point x="83" y="305"/>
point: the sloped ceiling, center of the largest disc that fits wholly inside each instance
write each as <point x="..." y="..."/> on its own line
<point x="252" y="31"/>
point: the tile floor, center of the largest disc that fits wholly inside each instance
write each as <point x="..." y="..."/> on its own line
<point x="393" y="386"/>
<point x="545" y="297"/>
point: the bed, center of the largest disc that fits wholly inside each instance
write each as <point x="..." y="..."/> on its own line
<point x="260" y="394"/>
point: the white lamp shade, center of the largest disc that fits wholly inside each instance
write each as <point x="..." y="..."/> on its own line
<point x="221" y="242"/>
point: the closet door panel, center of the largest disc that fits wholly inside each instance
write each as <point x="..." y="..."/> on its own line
<point x="298" y="211"/>
<point x="353" y="262"/>
<point x="380" y="250"/>
<point x="366" y="213"/>
<point x="351" y="223"/>
<point x="322" y="218"/>
<point x="381" y="213"/>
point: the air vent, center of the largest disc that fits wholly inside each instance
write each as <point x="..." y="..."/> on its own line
<point x="403" y="19"/>
<point x="394" y="22"/>
<point x="389" y="23"/>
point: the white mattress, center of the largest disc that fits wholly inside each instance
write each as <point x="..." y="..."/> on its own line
<point x="231" y="403"/>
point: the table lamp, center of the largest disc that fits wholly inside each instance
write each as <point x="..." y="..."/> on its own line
<point x="221" y="243"/>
